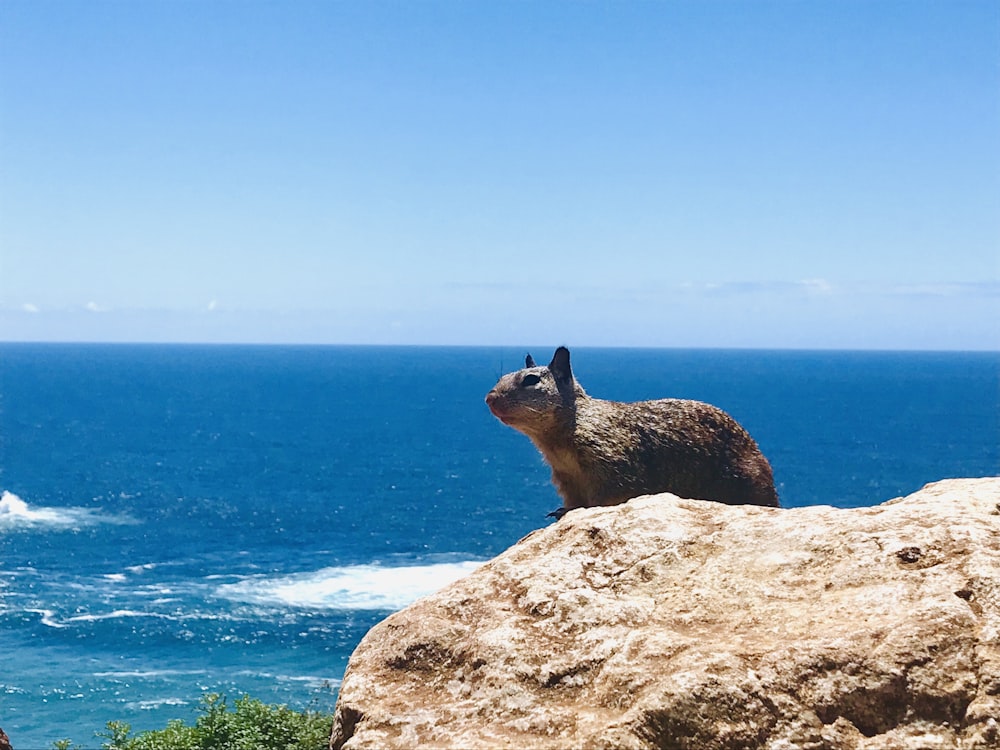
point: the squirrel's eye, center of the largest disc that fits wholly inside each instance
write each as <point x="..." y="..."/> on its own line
<point x="530" y="380"/>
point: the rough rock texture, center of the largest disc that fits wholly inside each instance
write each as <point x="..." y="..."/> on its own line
<point x="670" y="623"/>
<point x="4" y="741"/>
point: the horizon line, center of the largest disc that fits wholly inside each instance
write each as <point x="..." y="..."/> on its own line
<point x="536" y="345"/>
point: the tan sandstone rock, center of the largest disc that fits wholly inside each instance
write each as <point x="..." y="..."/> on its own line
<point x="670" y="623"/>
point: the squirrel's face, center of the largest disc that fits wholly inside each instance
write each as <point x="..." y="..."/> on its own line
<point x="529" y="400"/>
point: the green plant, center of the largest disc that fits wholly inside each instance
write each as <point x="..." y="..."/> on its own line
<point x="116" y="735"/>
<point x="250" y="725"/>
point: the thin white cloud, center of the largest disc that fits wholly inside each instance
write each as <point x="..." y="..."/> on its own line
<point x="94" y="307"/>
<point x="946" y="289"/>
<point x="30" y="308"/>
<point x="213" y="305"/>
<point x="728" y="288"/>
<point x="822" y="287"/>
<point x="816" y="286"/>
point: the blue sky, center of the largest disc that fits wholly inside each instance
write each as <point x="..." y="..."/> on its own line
<point x="754" y="174"/>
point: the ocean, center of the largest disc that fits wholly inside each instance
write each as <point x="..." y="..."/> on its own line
<point x="176" y="520"/>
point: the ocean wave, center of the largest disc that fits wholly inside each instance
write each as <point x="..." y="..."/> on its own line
<point x="48" y="617"/>
<point x="360" y="587"/>
<point x="136" y="569"/>
<point x="311" y="681"/>
<point x="16" y="514"/>
<point x="149" y="674"/>
<point x="117" y="615"/>
<point x="152" y="705"/>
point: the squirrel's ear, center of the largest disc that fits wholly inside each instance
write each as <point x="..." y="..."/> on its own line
<point x="559" y="366"/>
<point x="529" y="361"/>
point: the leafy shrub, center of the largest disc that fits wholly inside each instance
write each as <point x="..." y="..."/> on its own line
<point x="252" y="725"/>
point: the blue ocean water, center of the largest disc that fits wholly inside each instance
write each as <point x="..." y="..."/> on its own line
<point x="181" y="519"/>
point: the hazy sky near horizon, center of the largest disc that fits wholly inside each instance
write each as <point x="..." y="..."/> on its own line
<point x="761" y="174"/>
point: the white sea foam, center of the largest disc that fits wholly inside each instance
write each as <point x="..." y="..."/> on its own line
<point x="15" y="513"/>
<point x="47" y="617"/>
<point x="151" y="705"/>
<point x="310" y="680"/>
<point x="372" y="587"/>
<point x="149" y="674"/>
<point x="116" y="615"/>
<point x="137" y="569"/>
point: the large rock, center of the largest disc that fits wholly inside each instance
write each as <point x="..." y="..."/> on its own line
<point x="670" y="623"/>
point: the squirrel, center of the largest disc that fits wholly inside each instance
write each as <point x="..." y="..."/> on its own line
<point x="606" y="452"/>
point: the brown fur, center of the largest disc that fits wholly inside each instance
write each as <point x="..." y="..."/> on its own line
<point x="605" y="452"/>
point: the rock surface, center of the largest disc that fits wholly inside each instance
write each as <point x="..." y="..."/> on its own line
<point x="671" y="623"/>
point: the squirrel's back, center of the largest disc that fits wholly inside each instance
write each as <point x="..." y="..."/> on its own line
<point x="606" y="452"/>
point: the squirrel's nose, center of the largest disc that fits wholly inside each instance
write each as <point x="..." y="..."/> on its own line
<point x="491" y="397"/>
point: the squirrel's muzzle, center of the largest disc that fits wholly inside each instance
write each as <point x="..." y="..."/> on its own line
<point x="492" y="400"/>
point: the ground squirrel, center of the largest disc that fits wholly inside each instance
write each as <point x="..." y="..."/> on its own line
<point x="605" y="452"/>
